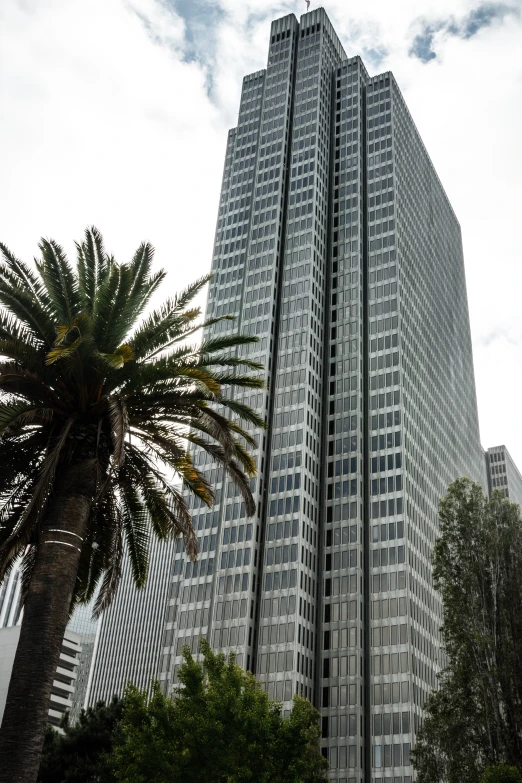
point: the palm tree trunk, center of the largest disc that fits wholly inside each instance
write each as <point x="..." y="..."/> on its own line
<point x="45" y="618"/>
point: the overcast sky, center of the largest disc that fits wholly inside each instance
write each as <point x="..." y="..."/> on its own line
<point x="115" y="113"/>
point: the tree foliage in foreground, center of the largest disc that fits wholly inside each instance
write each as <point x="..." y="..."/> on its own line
<point x="474" y="720"/>
<point x="221" y="727"/>
<point x="82" y="753"/>
<point x="501" y="773"/>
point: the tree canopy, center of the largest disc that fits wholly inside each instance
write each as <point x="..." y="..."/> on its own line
<point x="474" y="720"/>
<point x="82" y="753"/>
<point x="220" y="727"/>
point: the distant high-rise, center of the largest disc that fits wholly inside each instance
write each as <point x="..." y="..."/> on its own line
<point x="503" y="474"/>
<point x="63" y="691"/>
<point x="337" y="246"/>
<point x="80" y="635"/>
<point x="128" y="640"/>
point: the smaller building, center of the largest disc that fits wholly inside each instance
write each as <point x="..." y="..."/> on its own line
<point x="503" y="474"/>
<point x="64" y="684"/>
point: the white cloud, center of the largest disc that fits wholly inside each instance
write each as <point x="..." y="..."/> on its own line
<point x="109" y="117"/>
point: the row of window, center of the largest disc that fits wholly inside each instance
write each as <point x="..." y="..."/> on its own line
<point x="389" y="635"/>
<point x="198" y="568"/>
<point x="389" y="723"/>
<point x="340" y="585"/>
<point x="387" y="508"/>
<point x="230" y="610"/>
<point x="237" y="533"/>
<point x="382" y="420"/>
<point x="284" y="506"/>
<point x="385" y="400"/>
<point x="280" y="580"/>
<point x="339" y="696"/>
<point x="383" y="485"/>
<point x="346" y="559"/>
<point x="388" y="556"/>
<point x="193" y="618"/>
<point x="384" y="380"/>
<point x="390" y="693"/>
<point x="388" y="607"/>
<point x="342" y="489"/>
<point x="235" y="558"/>
<point x="340" y="638"/>
<point x="386" y="440"/>
<point x="386" y="462"/>
<point x="390" y="580"/>
<point x="281" y="554"/>
<point x="397" y="755"/>
<point x="280" y="633"/>
<point x="229" y="637"/>
<point x="287" y="439"/>
<point x="344" y="610"/>
<point x="388" y="531"/>
<point x="341" y="535"/>
<point x="286" y="483"/>
<point x="383" y="361"/>
<point x="279" y="606"/>
<point x="233" y="583"/>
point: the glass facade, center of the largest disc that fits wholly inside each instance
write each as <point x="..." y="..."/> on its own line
<point x="337" y="246"/>
<point x="503" y="474"/>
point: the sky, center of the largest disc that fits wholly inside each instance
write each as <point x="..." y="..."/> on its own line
<point x="115" y="113"/>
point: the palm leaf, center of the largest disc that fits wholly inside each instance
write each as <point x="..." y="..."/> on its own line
<point x="60" y="281"/>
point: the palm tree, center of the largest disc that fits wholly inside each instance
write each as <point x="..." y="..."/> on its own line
<point x="99" y="405"/>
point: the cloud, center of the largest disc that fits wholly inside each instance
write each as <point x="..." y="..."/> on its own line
<point x="469" y="25"/>
<point x="423" y="42"/>
<point x="483" y="16"/>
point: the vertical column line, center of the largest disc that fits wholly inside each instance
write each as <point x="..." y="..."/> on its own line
<point x="367" y="728"/>
<point x="274" y="354"/>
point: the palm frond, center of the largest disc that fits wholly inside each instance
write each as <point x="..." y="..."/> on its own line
<point x="244" y="412"/>
<point x="21" y="304"/>
<point x="119" y="427"/>
<point x="60" y="281"/>
<point x="93" y="268"/>
<point x="114" y="558"/>
<point x="136" y="532"/>
<point x="40" y="495"/>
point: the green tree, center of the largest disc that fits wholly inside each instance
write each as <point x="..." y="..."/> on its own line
<point x="501" y="774"/>
<point x="97" y="404"/>
<point x="82" y="753"/>
<point x="475" y="718"/>
<point x="221" y="727"/>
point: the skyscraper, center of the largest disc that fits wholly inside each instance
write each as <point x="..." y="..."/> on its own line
<point x="503" y="474"/>
<point x="337" y="246"/>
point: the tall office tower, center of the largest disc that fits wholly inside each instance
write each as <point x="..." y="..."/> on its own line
<point x="128" y="639"/>
<point x="503" y="474"/>
<point x="336" y="245"/>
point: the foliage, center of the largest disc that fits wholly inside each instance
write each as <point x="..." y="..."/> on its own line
<point x="93" y="391"/>
<point x="475" y="718"/>
<point x="81" y="754"/>
<point x="501" y="774"/>
<point x="220" y="727"/>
